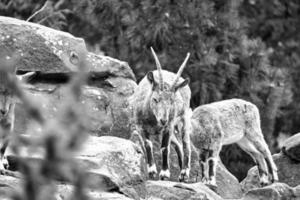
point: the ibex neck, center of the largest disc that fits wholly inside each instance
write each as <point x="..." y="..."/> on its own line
<point x="146" y="106"/>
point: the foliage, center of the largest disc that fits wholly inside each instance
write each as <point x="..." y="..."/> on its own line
<point x="239" y="48"/>
<point x="61" y="138"/>
<point x="277" y="23"/>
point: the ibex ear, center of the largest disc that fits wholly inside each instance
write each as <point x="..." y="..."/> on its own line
<point x="151" y="79"/>
<point x="26" y="77"/>
<point x="182" y="84"/>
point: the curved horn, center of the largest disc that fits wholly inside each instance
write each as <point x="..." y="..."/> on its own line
<point x="180" y="71"/>
<point x="159" y="69"/>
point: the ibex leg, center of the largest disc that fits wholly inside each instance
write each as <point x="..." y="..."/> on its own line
<point x="185" y="172"/>
<point x="5" y="134"/>
<point x="165" y="151"/>
<point x="212" y="169"/>
<point x="150" y="158"/>
<point x="251" y="149"/>
<point x="262" y="147"/>
<point x="179" y="151"/>
<point x="203" y="156"/>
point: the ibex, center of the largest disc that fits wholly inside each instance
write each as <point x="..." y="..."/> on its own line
<point x="160" y="98"/>
<point x="226" y="122"/>
<point x="7" y="106"/>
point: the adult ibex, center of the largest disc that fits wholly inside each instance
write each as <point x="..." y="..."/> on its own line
<point x="160" y="99"/>
<point x="7" y="105"/>
<point x="226" y="122"/>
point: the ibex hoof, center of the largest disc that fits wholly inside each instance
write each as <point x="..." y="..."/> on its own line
<point x="264" y="180"/>
<point x="164" y="175"/>
<point x="3" y="164"/>
<point x="184" y="175"/>
<point x="211" y="183"/>
<point x="263" y="184"/>
<point x="152" y="171"/>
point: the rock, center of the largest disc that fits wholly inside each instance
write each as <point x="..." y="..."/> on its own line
<point x="107" y="111"/>
<point x="50" y="53"/>
<point x="119" y="159"/>
<point x="291" y="147"/>
<point x="166" y="190"/>
<point x="251" y="181"/>
<point x="228" y="185"/>
<point x="288" y="172"/>
<point x="297" y="191"/>
<point x="64" y="192"/>
<point x="111" y="164"/>
<point x="276" y="191"/>
<point x="8" y="186"/>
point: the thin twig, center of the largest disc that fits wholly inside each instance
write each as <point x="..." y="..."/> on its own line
<point x="39" y="11"/>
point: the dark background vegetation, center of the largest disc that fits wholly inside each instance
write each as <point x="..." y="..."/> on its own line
<point x="247" y="49"/>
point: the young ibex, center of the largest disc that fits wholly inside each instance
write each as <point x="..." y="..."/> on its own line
<point x="7" y="105"/>
<point x="160" y="98"/>
<point x="226" y="122"/>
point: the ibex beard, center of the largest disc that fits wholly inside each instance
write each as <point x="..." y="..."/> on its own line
<point x="226" y="122"/>
<point x="160" y="99"/>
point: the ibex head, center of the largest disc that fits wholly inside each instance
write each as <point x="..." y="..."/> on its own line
<point x="163" y="98"/>
<point x="6" y="94"/>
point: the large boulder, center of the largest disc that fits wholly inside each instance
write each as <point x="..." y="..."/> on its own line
<point x="291" y="147"/>
<point x="11" y="186"/>
<point x="276" y="191"/>
<point x="51" y="53"/>
<point x="8" y="186"/>
<point x="107" y="111"/>
<point x="65" y="191"/>
<point x="110" y="163"/>
<point x="227" y="185"/>
<point x="288" y="172"/>
<point x="165" y="190"/>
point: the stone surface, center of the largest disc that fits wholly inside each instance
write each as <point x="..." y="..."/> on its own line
<point x="291" y="147"/>
<point x="288" y="172"/>
<point x="276" y="191"/>
<point x="228" y="185"/>
<point x="8" y="186"/>
<point x="49" y="53"/>
<point x="251" y="181"/>
<point x="64" y="192"/>
<point x="166" y="190"/>
<point x="107" y="111"/>
<point x="111" y="164"/>
<point x="297" y="191"/>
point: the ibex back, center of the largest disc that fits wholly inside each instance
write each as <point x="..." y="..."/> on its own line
<point x="226" y="122"/>
<point x="160" y="98"/>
